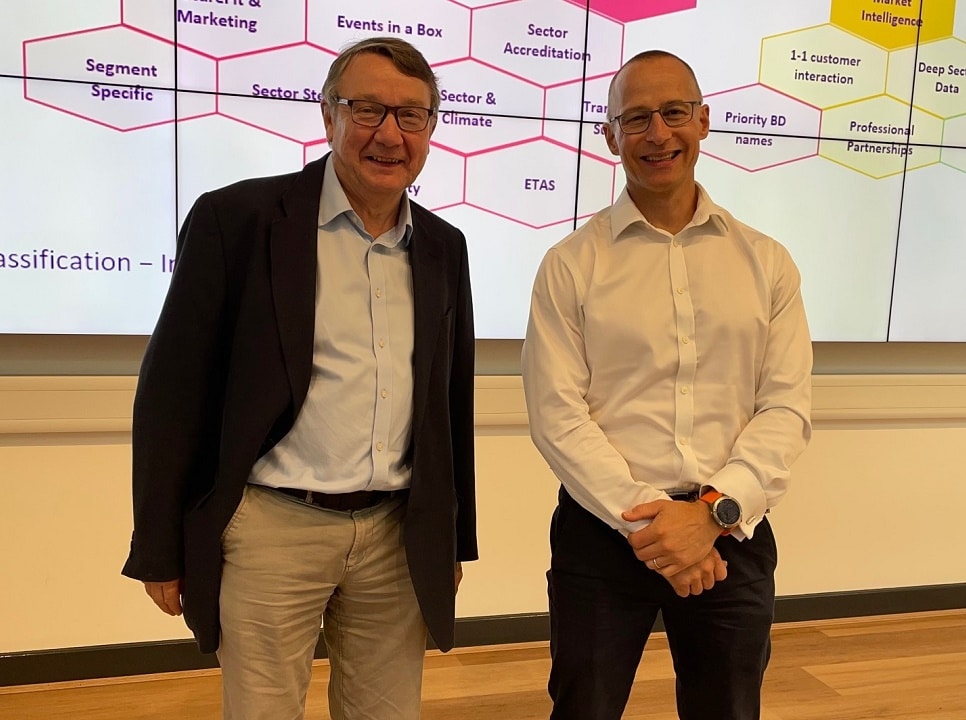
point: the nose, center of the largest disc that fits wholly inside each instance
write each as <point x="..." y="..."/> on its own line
<point x="657" y="131"/>
<point x="388" y="132"/>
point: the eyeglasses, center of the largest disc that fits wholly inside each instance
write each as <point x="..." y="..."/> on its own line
<point x="372" y="114"/>
<point x="674" y="114"/>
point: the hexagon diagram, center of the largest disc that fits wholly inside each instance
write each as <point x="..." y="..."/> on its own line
<point x="277" y="90"/>
<point x="937" y="71"/>
<point x="877" y="138"/>
<point x="823" y="66"/>
<point x="550" y="52"/>
<point x="624" y="11"/>
<point x="759" y="128"/>
<point x="124" y="88"/>
<point x="893" y="25"/>
<point x="520" y="74"/>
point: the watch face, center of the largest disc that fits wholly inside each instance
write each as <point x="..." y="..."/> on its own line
<point x="727" y="511"/>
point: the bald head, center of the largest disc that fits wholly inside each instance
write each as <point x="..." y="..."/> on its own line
<point x="636" y="64"/>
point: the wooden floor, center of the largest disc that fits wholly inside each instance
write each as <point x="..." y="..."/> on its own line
<point x="901" y="667"/>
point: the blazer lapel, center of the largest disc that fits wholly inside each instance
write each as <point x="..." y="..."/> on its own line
<point x="293" y="271"/>
<point x="429" y="304"/>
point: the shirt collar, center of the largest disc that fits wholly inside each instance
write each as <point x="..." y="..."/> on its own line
<point x="334" y="203"/>
<point x="625" y="214"/>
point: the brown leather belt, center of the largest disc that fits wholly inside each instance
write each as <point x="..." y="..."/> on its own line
<point x="343" y="502"/>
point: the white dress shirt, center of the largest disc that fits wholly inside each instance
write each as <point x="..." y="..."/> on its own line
<point x="656" y="363"/>
<point x="353" y="431"/>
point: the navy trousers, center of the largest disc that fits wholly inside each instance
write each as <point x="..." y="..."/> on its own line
<point x="603" y="605"/>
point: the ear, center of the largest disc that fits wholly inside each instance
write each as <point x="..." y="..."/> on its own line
<point x="327" y="120"/>
<point x="611" y="139"/>
<point x="704" y="121"/>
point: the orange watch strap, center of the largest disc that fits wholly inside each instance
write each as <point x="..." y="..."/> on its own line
<point x="710" y="496"/>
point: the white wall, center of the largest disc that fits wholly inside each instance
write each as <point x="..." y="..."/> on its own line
<point x="877" y="502"/>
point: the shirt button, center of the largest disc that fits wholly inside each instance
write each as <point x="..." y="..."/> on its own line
<point x="379" y="446"/>
<point x="378" y="292"/>
<point x="382" y="343"/>
<point x="680" y="291"/>
<point x="685" y="339"/>
<point x="676" y="243"/>
<point x="685" y="390"/>
<point x="385" y="393"/>
<point x="683" y="441"/>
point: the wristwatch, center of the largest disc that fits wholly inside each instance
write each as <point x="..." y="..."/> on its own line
<point x="725" y="510"/>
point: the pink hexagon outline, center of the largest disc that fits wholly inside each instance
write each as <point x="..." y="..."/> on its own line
<point x="550" y="141"/>
<point x="469" y="34"/>
<point x="514" y="75"/>
<point x="526" y="81"/>
<point x="462" y="160"/>
<point x="225" y="57"/>
<point x="218" y="98"/>
<point x="817" y="138"/>
<point x="307" y="145"/>
<point x="95" y="121"/>
<point x="610" y="159"/>
<point x="471" y="153"/>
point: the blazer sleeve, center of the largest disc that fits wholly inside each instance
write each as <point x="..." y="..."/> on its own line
<point x="461" y="413"/>
<point x="177" y="405"/>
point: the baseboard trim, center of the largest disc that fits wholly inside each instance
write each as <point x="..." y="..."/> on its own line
<point x="86" y="663"/>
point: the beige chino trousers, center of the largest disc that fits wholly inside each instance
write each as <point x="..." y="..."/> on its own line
<point x="290" y="567"/>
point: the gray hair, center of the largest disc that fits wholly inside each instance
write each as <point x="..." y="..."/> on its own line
<point x="407" y="59"/>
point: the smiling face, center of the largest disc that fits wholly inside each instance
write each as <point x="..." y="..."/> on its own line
<point x="659" y="162"/>
<point x="376" y="165"/>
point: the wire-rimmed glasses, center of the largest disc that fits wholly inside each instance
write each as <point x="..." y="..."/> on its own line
<point x="674" y="114"/>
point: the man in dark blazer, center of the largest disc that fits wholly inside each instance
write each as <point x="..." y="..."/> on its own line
<point x="303" y="424"/>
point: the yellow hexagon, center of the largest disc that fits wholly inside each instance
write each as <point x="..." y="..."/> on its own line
<point x="823" y="66"/>
<point x="895" y="24"/>
<point x="954" y="142"/>
<point x="939" y="72"/>
<point x="877" y="138"/>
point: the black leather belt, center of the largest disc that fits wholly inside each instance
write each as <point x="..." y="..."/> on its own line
<point x="343" y="502"/>
<point x="685" y="495"/>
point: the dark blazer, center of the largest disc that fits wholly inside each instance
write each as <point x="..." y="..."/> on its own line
<point x="227" y="370"/>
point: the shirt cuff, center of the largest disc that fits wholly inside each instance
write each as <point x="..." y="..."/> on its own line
<point x="735" y="480"/>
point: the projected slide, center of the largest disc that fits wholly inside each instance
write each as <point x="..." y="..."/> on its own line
<point x="838" y="127"/>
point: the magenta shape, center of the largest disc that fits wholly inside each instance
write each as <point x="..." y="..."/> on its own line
<point x="630" y="10"/>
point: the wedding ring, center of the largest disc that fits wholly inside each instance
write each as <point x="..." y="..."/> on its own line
<point x="656" y="566"/>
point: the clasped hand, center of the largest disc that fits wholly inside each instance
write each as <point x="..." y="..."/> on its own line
<point x="678" y="544"/>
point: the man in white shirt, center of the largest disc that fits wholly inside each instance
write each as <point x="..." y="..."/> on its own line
<point x="667" y="374"/>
